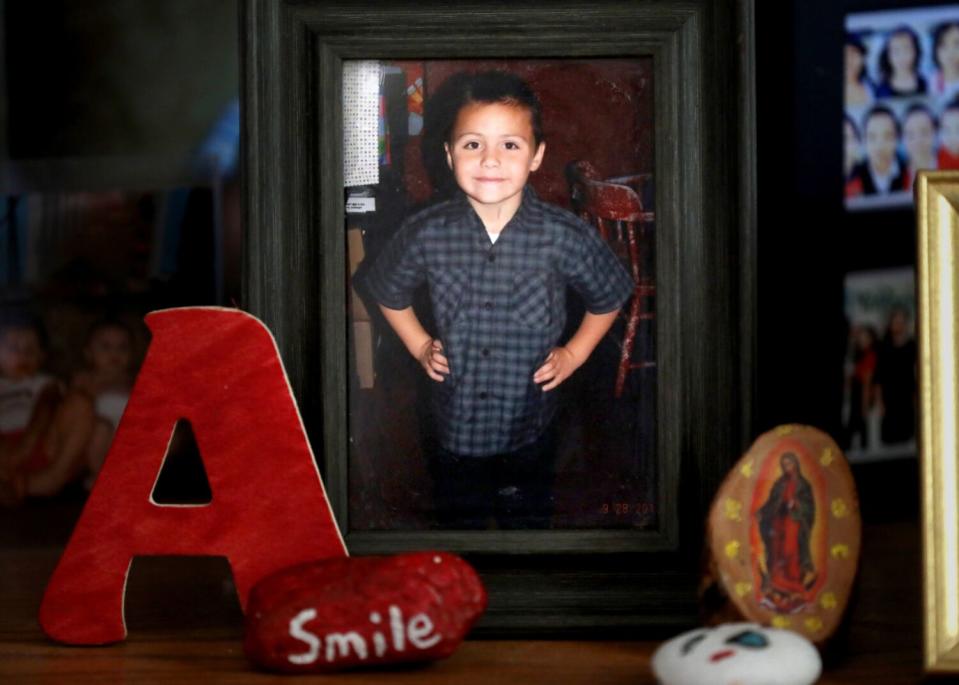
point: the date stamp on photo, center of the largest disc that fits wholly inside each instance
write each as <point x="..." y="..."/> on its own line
<point x="628" y="508"/>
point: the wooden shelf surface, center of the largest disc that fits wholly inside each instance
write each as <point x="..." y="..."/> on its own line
<point x="185" y="626"/>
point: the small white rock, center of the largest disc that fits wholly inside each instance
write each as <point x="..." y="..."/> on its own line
<point x="737" y="654"/>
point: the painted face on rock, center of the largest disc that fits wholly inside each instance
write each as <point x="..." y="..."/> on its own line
<point x="737" y="654"/>
<point x="492" y="152"/>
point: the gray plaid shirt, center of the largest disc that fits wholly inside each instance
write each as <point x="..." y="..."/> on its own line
<point x="499" y="309"/>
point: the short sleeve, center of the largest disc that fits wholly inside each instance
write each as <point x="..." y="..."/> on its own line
<point x="399" y="269"/>
<point x="594" y="271"/>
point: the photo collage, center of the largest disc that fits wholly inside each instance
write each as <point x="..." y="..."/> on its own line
<point x="901" y="102"/>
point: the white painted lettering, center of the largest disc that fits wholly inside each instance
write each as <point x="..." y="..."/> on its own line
<point x="379" y="642"/>
<point x="296" y="631"/>
<point x="396" y="625"/>
<point x="341" y="642"/>
<point x="418" y="630"/>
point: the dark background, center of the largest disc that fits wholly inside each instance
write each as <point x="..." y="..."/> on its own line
<point x="807" y="241"/>
<point x="116" y="77"/>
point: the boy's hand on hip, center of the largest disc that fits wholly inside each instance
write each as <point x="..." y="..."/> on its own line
<point x="433" y="361"/>
<point x="559" y="365"/>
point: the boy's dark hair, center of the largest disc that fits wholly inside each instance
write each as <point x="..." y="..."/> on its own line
<point x="490" y="87"/>
<point x="21" y="319"/>
<point x="885" y="66"/>
<point x="937" y="35"/>
<point x="442" y="108"/>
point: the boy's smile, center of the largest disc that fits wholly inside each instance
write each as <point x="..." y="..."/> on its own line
<point x="492" y="152"/>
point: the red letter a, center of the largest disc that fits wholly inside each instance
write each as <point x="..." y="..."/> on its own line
<point x="220" y="370"/>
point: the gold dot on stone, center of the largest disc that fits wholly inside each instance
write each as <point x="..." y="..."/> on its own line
<point x="840" y="551"/>
<point x="743" y="588"/>
<point x="827" y="457"/>
<point x="813" y="624"/>
<point x="785" y="430"/>
<point x="733" y="509"/>
<point x="839" y="508"/>
<point x="828" y="600"/>
<point x="747" y="469"/>
<point x="781" y="622"/>
<point x="732" y="549"/>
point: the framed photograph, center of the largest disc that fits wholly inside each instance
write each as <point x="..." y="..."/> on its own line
<point x="937" y="200"/>
<point x="880" y="384"/>
<point x="602" y="472"/>
<point x="336" y="161"/>
<point x="901" y="113"/>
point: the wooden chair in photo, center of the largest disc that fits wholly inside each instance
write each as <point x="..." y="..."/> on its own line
<point x="578" y="173"/>
<point x="615" y="207"/>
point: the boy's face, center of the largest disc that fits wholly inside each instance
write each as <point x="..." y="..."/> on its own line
<point x="109" y="351"/>
<point x="21" y="354"/>
<point x="492" y="152"/>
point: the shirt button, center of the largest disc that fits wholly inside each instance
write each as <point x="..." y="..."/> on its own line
<point x="482" y="395"/>
<point x="492" y="258"/>
<point x="485" y="352"/>
<point x="487" y="305"/>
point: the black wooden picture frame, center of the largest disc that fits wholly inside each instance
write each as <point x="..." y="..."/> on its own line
<point x="550" y="582"/>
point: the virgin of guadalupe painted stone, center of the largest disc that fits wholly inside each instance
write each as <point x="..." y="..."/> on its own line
<point x="785" y="524"/>
<point x="784" y="536"/>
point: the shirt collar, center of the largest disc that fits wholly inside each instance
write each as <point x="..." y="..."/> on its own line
<point x="523" y="219"/>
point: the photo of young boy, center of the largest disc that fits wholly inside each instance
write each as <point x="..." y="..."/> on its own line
<point x="497" y="260"/>
<point x="496" y="337"/>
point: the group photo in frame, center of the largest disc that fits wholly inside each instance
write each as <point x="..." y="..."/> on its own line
<point x="590" y="567"/>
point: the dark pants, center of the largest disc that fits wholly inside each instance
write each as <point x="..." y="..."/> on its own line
<point x="513" y="490"/>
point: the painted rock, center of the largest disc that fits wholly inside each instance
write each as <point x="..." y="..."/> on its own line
<point x="784" y="534"/>
<point x="341" y="613"/>
<point x="737" y="654"/>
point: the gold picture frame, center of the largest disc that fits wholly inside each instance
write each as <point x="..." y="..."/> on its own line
<point x="937" y="204"/>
